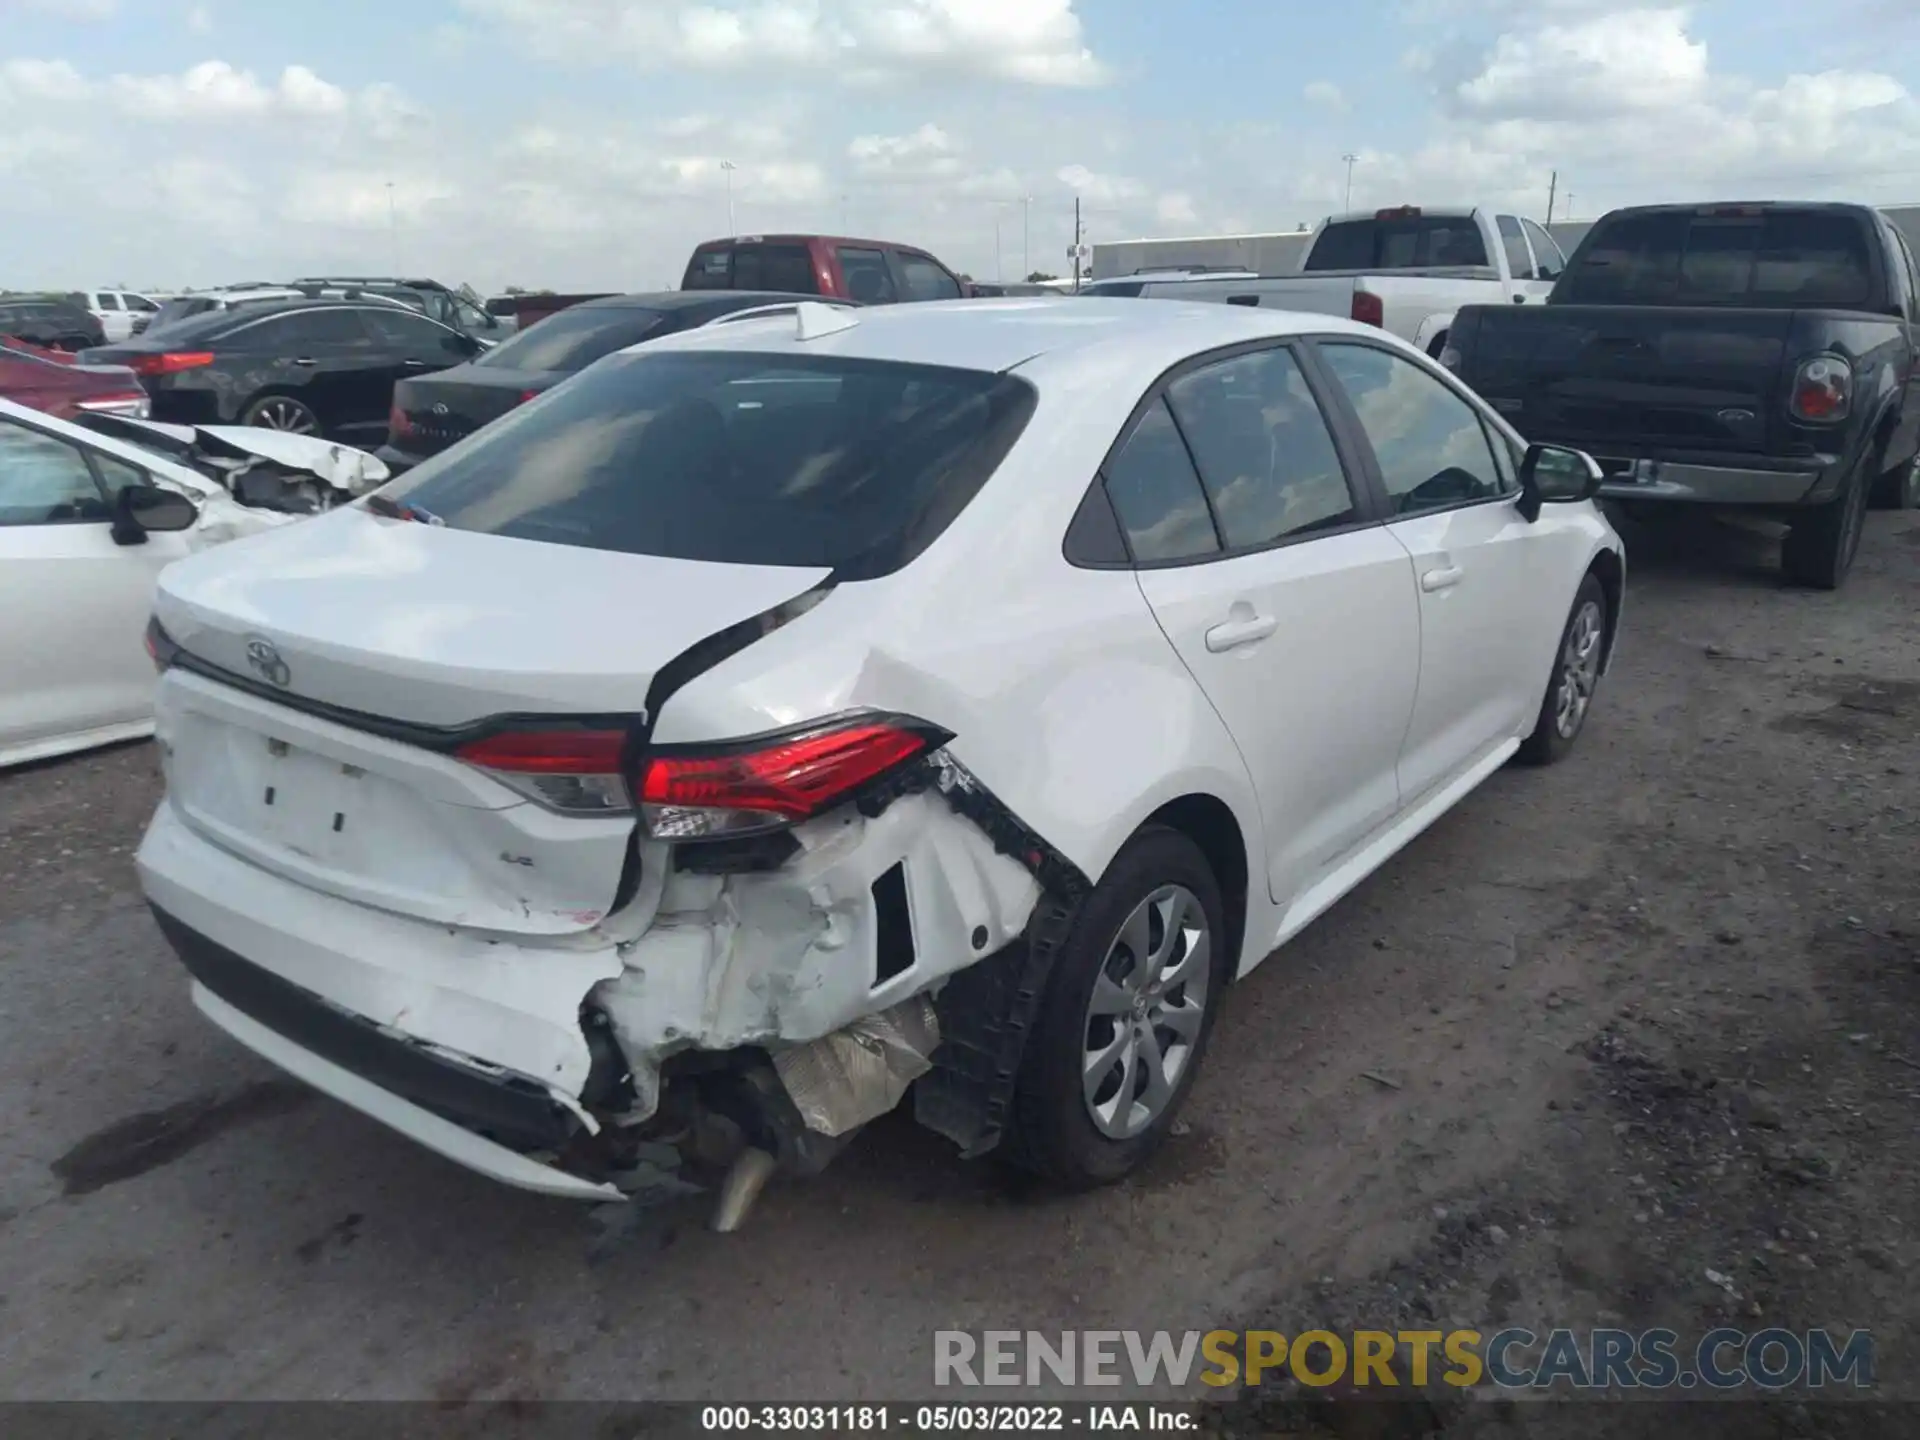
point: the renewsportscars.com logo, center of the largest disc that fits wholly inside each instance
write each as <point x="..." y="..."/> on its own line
<point x="1509" y="1359"/>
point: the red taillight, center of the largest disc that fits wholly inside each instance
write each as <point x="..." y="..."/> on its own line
<point x="160" y="646"/>
<point x="399" y="424"/>
<point x="1822" y="390"/>
<point x="170" y="363"/>
<point x="526" y="395"/>
<point x="1368" y="309"/>
<point x="1402" y="212"/>
<point x="576" y="770"/>
<point x="777" y="780"/>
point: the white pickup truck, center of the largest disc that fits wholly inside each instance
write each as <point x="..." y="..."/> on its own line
<point x="1406" y="270"/>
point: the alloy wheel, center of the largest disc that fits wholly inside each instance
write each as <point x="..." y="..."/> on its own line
<point x="1145" y="1015"/>
<point x="285" y="415"/>
<point x="1579" y="670"/>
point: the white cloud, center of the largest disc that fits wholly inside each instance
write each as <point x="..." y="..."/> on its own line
<point x="1105" y="191"/>
<point x="1034" y="42"/>
<point x="1594" y="68"/>
<point x="927" y="153"/>
<point x="71" y="9"/>
<point x="1325" y="92"/>
<point x="1175" y="208"/>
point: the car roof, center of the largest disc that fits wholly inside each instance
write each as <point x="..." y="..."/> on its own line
<point x="1000" y="334"/>
<point x="669" y="300"/>
<point x="803" y="239"/>
<point x="216" y="322"/>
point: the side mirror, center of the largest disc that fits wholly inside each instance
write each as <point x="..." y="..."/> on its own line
<point x="1557" y="475"/>
<point x="142" y="510"/>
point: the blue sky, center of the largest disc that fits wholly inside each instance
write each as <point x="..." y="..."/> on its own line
<point x="579" y="143"/>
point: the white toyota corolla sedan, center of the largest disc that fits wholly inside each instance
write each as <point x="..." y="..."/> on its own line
<point x="772" y="719"/>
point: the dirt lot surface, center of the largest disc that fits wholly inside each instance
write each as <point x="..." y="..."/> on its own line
<point x="1607" y="1028"/>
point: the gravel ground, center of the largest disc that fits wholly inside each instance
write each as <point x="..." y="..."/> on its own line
<point x="1644" y="1015"/>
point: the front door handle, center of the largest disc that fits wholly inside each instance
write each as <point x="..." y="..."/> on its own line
<point x="1441" y="577"/>
<point x="1234" y="633"/>
<point x="414" y="364"/>
<point x="303" y="360"/>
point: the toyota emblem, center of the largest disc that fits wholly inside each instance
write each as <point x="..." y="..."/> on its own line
<point x="265" y="662"/>
<point x="439" y="409"/>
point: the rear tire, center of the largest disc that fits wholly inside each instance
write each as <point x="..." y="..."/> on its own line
<point x="1575" y="678"/>
<point x="1899" y="488"/>
<point x="1130" y="982"/>
<point x="1821" y="545"/>
<point x="282" y="413"/>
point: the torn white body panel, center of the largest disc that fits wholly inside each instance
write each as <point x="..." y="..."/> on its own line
<point x="791" y="955"/>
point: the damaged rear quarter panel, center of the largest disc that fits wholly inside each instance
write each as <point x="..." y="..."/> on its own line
<point x="788" y="956"/>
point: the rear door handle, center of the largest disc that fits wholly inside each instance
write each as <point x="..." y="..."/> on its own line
<point x="1240" y="632"/>
<point x="414" y="364"/>
<point x="303" y="360"/>
<point x="1441" y="577"/>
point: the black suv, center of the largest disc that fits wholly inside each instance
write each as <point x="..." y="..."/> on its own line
<point x="51" y="322"/>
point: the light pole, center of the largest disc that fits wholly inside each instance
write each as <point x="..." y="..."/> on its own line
<point x="1026" y="236"/>
<point x="1351" y="160"/>
<point x="727" y="166"/>
<point x="392" y="219"/>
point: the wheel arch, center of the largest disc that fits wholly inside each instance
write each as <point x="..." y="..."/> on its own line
<point x="1611" y="571"/>
<point x="1210" y="823"/>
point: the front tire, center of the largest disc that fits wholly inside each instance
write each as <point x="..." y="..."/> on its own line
<point x="1126" y="1018"/>
<point x="1575" y="678"/>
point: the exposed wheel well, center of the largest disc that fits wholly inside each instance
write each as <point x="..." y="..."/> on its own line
<point x="1611" y="574"/>
<point x="1206" y="820"/>
<point x="1438" y="343"/>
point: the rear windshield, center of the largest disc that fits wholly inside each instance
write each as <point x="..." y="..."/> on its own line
<point x="787" y="268"/>
<point x="1398" y="244"/>
<point x="572" y="339"/>
<point x="1787" y="259"/>
<point x="1124" y="289"/>
<point x="857" y="465"/>
<point x="175" y="310"/>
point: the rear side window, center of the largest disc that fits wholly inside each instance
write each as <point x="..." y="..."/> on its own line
<point x="1156" y="493"/>
<point x="869" y="281"/>
<point x="787" y="268"/>
<point x="1514" y="241"/>
<point x="1263" y="449"/>
<point x="710" y="269"/>
<point x="737" y="458"/>
<point x="1788" y="259"/>
<point x="926" y="280"/>
<point x="572" y="339"/>
<point x="1398" y="244"/>
<point x="312" y="327"/>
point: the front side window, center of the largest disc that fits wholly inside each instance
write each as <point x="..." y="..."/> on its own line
<point x="736" y="458"/>
<point x="1430" y="444"/>
<point x="869" y="281"/>
<point x="1158" y="496"/>
<point x="1263" y="449"/>
<point x="45" y="481"/>
<point x="926" y="280"/>
<point x="1514" y="241"/>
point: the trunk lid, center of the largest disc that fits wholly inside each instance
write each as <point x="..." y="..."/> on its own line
<point x="443" y="409"/>
<point x="1705" y="379"/>
<point x="361" y="641"/>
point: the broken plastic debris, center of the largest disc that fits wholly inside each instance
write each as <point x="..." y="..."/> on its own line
<point x="843" y="1080"/>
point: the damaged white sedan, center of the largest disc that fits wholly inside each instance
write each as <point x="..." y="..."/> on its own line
<point x="91" y="511"/>
<point x="775" y="719"/>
